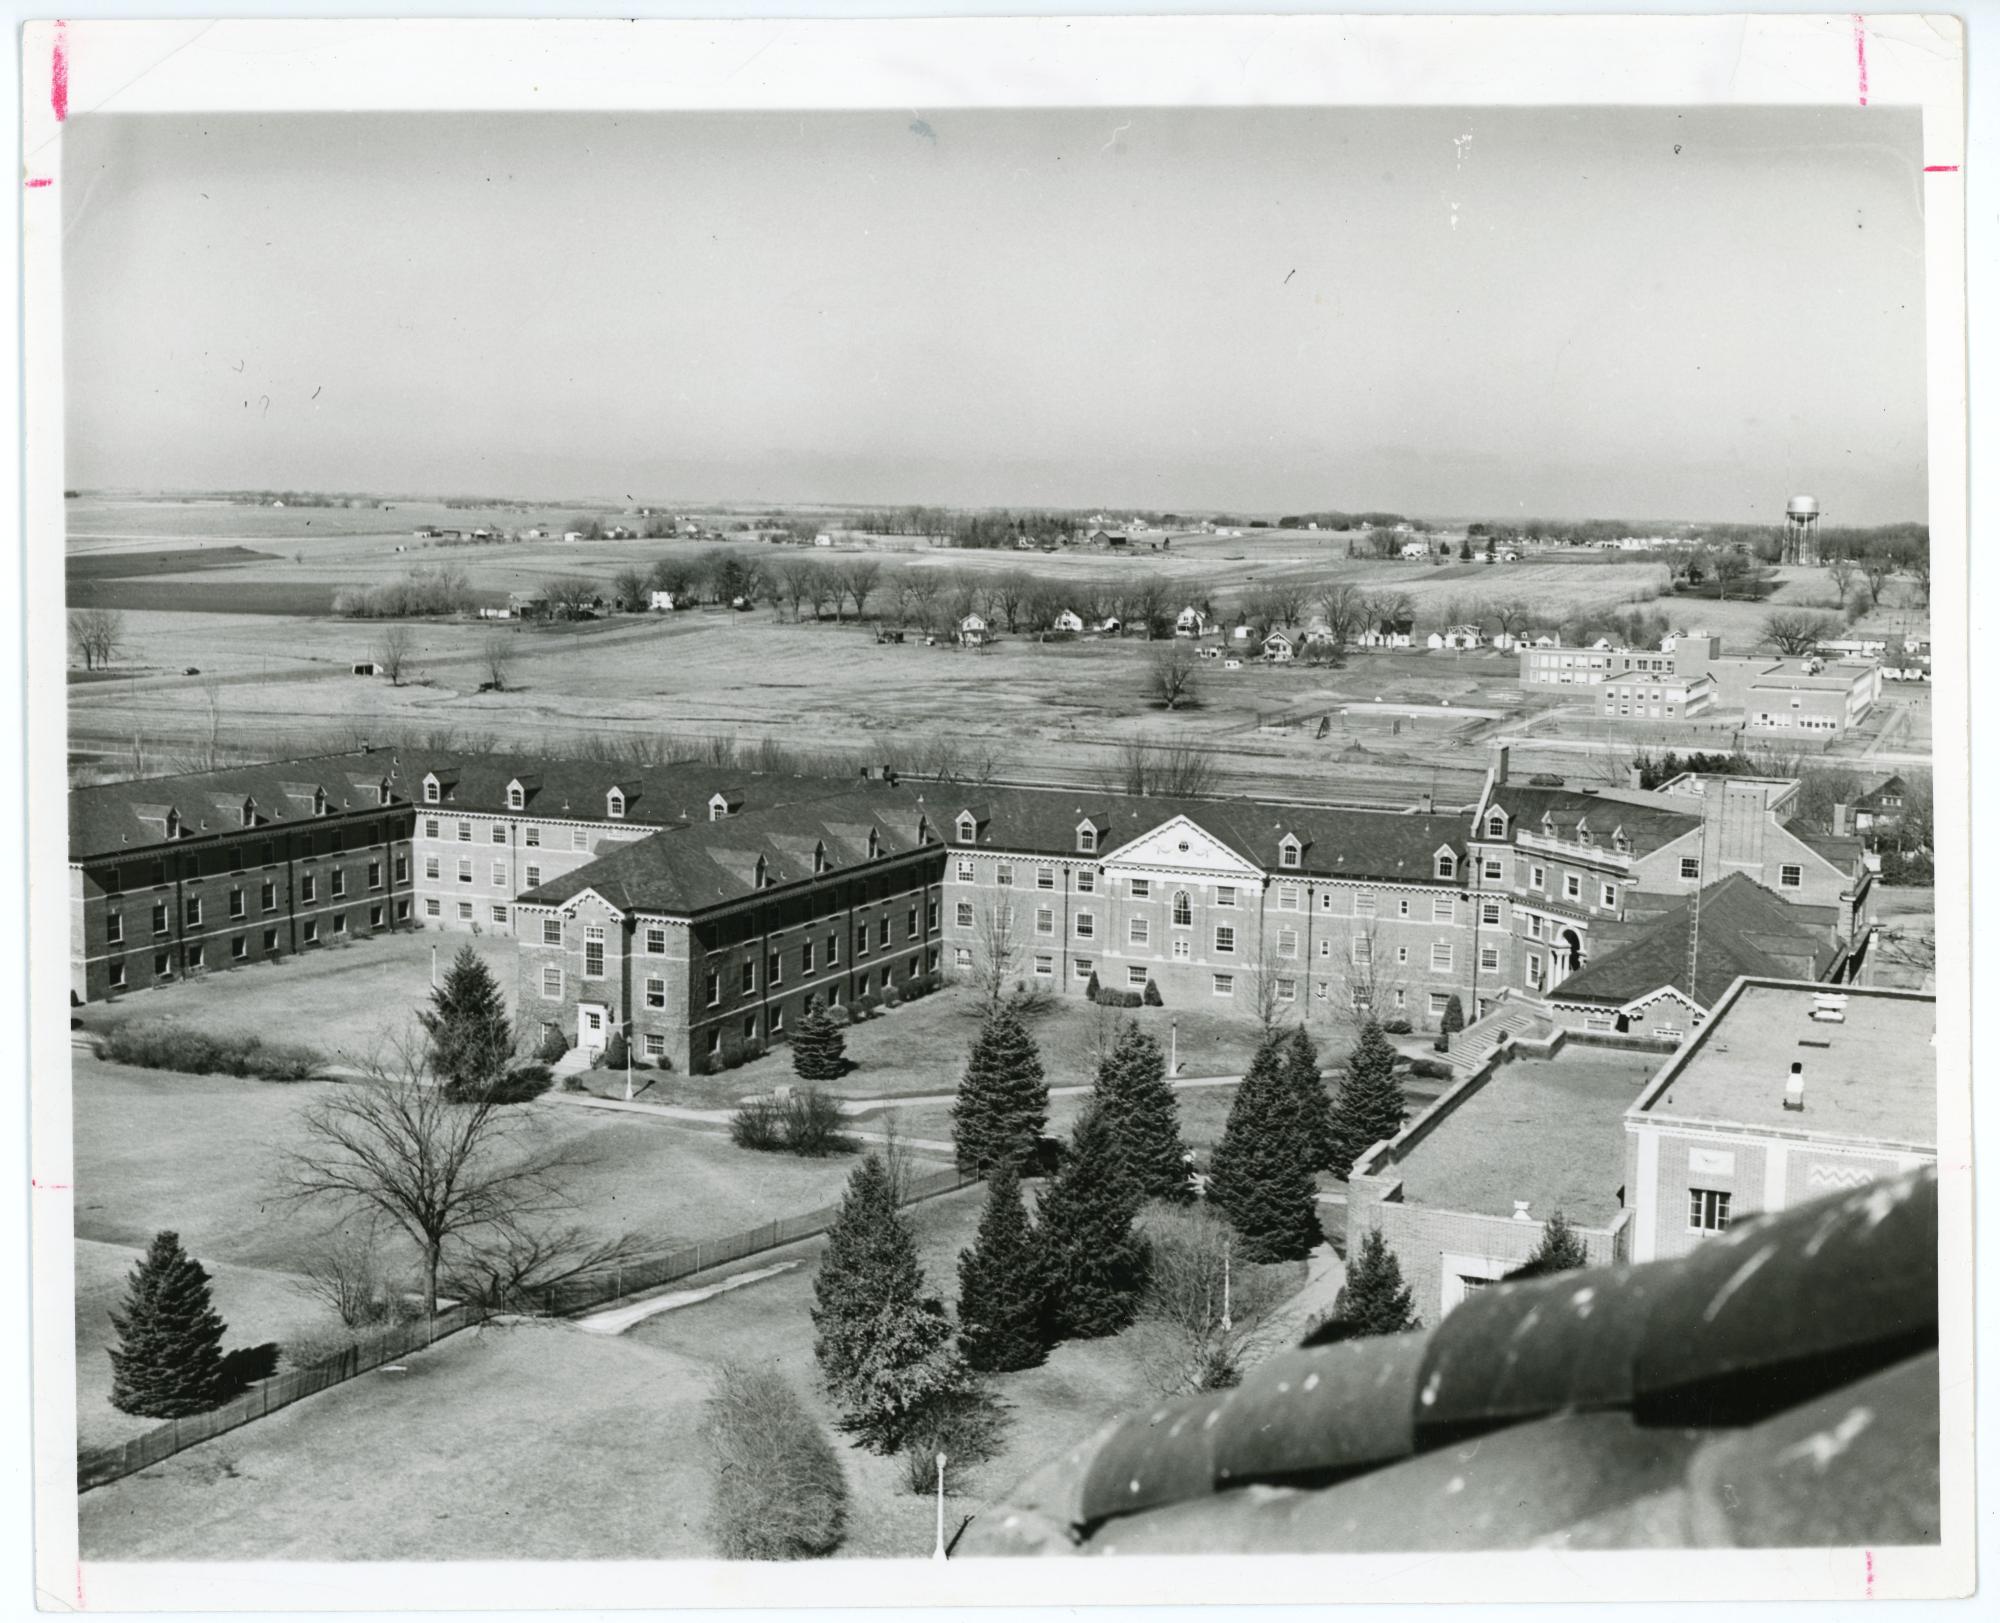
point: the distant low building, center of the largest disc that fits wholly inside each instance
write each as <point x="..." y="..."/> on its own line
<point x="1651" y="695"/>
<point x="1456" y="639"/>
<point x="1068" y="620"/>
<point x="1191" y="622"/>
<point x="1388" y="633"/>
<point x="662" y="600"/>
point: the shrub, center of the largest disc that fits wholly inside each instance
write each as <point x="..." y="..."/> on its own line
<point x="890" y="996"/>
<point x="732" y="1053"/>
<point x="1152" y="994"/>
<point x="1398" y="1027"/>
<point x="1438" y="1070"/>
<point x="840" y="1015"/>
<point x="164" y="1047"/>
<point x="779" y="1493"/>
<point x="1090" y="987"/>
<point x="758" y="1125"/>
<point x="554" y="1044"/>
<point x="755" y="1049"/>
<point x="811" y="1124"/>
<point x="964" y="1426"/>
<point x="616" y="1052"/>
<point x="522" y="1083"/>
<point x="868" y="1004"/>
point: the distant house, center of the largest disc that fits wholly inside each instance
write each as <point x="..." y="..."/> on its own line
<point x="1454" y="639"/>
<point x="1388" y="633"/>
<point x="1284" y="644"/>
<point x="1416" y="549"/>
<point x="1881" y="807"/>
<point x="536" y="534"/>
<point x="1232" y="664"/>
<point x="974" y="631"/>
<point x="367" y="667"/>
<point x="489" y="612"/>
<point x="1191" y="622"/>
<point x="427" y="533"/>
<point x="1110" y="624"/>
<point x="618" y="532"/>
<point x="1068" y="620"/>
<point x="1242" y="634"/>
<point x="528" y="605"/>
<point x="1114" y="539"/>
<point x="572" y="535"/>
<point x="661" y="600"/>
<point x="822" y="540"/>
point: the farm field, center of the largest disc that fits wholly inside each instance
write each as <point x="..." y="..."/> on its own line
<point x="582" y="1408"/>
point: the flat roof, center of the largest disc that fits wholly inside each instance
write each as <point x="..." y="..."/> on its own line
<point x="1547" y="1131"/>
<point x="1871" y="1075"/>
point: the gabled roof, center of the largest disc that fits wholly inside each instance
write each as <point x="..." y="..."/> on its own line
<point x="655" y="795"/>
<point x="1647" y="827"/>
<point x="699" y="865"/>
<point x="1745" y="930"/>
<point x="106" y="819"/>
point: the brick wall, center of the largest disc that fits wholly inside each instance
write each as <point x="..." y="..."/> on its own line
<point x="470" y="865"/>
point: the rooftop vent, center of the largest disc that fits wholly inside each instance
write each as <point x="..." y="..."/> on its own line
<point x="1795" y="1087"/>
<point x="1521" y="1212"/>
<point x="1829" y="1007"/>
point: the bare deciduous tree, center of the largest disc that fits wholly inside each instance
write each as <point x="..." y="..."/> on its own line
<point x="571" y="597"/>
<point x="475" y="1179"/>
<point x="859" y="578"/>
<point x="496" y="654"/>
<point x="996" y="950"/>
<point x="1343" y="606"/>
<point x="97" y="634"/>
<point x="393" y="652"/>
<point x="1877" y="565"/>
<point x="1171" y="674"/>
<point x="1797" y="631"/>
<point x="1182" y="767"/>
<point x="1842" y="570"/>
<point x="1206" y="1313"/>
<point x="1369" y="976"/>
<point x="346" y="1273"/>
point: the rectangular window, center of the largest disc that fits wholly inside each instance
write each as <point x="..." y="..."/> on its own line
<point x="552" y="932"/>
<point x="712" y="988"/>
<point x="430" y="828"/>
<point x="882" y="931"/>
<point x="465" y="831"/>
<point x="1441" y="910"/>
<point x="159" y="918"/>
<point x="533" y="876"/>
<point x="1086" y="880"/>
<point x="1136" y="975"/>
<point x="806" y="958"/>
<point x="861" y="940"/>
<point x="593" y="952"/>
<point x="656" y="992"/>
<point x="1139" y="931"/>
<point x="432" y="907"/>
<point x="1225" y="895"/>
<point x="1493" y="870"/>
<point x="403" y="908"/>
<point x="499" y="833"/>
<point x="579" y="839"/>
<point x="910" y="925"/>
<point x="337" y="883"/>
<point x="402" y="866"/>
<point x="930" y="915"/>
<point x="965" y="870"/>
<point x="1045" y="963"/>
<point x="533" y="835"/>
<point x="551" y="981"/>
<point x="1222" y="985"/>
<point x="114" y="928"/>
<point x="656" y="939"/>
<point x="375" y="918"/>
<point x="499" y="913"/>
<point x="375" y="875"/>
<point x="163" y="966"/>
<point x="1288" y="943"/>
<point x="1402" y="907"/>
<point x="116" y="972"/>
<point x="961" y="957"/>
<point x="774" y="971"/>
<point x="1045" y="879"/>
<point x="465" y="912"/>
<point x="1003" y="874"/>
<point x="656" y="1045"/>
<point x="1225" y="938"/>
<point x="194" y="910"/>
<point x="430" y="867"/>
<point x="1489" y="958"/>
<point x="1364" y="904"/>
<point x="340" y="924"/>
<point x="1439" y="1002"/>
<point x="963" y="915"/>
<point x="1288" y="991"/>
<point x="1708" y="1211"/>
<point x="1690" y="867"/>
<point x="1082" y="968"/>
<point x="236" y="904"/>
<point x="1045" y="921"/>
<point x="1607" y="895"/>
<point x="1288" y="898"/>
<point x="749" y="977"/>
<point x="1538" y="878"/>
<point x="312" y="931"/>
<point x="1441" y="956"/>
<point x="465" y="870"/>
<point x="1141" y="889"/>
<point x="833" y="952"/>
<point x="1572" y="887"/>
<point x="500" y="873"/>
<point x="1182" y="948"/>
<point x="1790" y="875"/>
<point x="1489" y="912"/>
<point x="195" y="957"/>
<point x="1086" y="926"/>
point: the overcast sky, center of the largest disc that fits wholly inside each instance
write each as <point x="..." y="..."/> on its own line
<point x="1614" y="313"/>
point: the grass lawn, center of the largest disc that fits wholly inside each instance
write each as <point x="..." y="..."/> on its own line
<point x="205" y="1156"/>
<point x="333" y="999"/>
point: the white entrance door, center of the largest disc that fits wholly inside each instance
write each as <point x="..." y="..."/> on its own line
<point x="590" y="1027"/>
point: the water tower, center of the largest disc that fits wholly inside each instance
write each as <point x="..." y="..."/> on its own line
<point x="1802" y="530"/>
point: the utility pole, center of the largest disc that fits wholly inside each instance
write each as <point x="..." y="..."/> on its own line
<point x="1225" y="1287"/>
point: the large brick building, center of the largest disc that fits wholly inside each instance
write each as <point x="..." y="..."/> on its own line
<point x="171" y="877"/>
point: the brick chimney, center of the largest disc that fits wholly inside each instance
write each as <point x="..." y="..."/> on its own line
<point x="1843" y="818"/>
<point x="1424" y="803"/>
<point x="1499" y="765"/>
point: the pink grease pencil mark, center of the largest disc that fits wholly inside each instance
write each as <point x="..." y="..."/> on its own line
<point x="1940" y="168"/>
<point x="36" y="1183"/>
<point x="1861" y="55"/>
<point x="40" y="180"/>
<point x="1868" y="1557"/>
<point x="59" y="75"/>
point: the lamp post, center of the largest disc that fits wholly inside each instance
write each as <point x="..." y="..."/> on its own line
<point x="434" y="966"/>
<point x="1225" y="1288"/>
<point x="1174" y="1045"/>
<point x="629" y="1035"/>
<point x="938" y="1553"/>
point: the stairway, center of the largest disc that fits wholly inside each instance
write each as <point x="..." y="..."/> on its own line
<point x="1473" y="1046"/>
<point x="575" y="1060"/>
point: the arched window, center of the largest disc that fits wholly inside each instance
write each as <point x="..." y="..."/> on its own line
<point x="430" y="791"/>
<point x="967" y="828"/>
<point x="1183" y="908"/>
<point x="614" y="804"/>
<point x="516" y="798"/>
<point x="1496" y="826"/>
<point x="1288" y="853"/>
<point x="1447" y="865"/>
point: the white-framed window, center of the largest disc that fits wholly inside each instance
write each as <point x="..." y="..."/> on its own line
<point x="711" y="987"/>
<point x="1086" y="926"/>
<point x="1538" y="877"/>
<point x="499" y="833"/>
<point x="1532" y="969"/>
<point x="614" y="804"/>
<point x="196" y="957"/>
<point x="1496" y="825"/>
<point x="965" y="870"/>
<point x="1447" y="865"/>
<point x="656" y="1044"/>
<point x="1045" y="921"/>
<point x="1139" y="932"/>
<point x="1690" y="867"/>
<point x="1086" y="880"/>
<point x="968" y="828"/>
<point x="1441" y="910"/>
<point x="1288" y="943"/>
<point x="1225" y="895"/>
<point x="430" y="828"/>
<point x="430" y="791"/>
<point x="534" y="875"/>
<point x="430" y="867"/>
<point x="532" y="835"/>
<point x="499" y="912"/>
<point x="1572" y="887"/>
<point x="961" y="957"/>
<point x="1086" y="838"/>
<point x="963" y="915"/>
<point x="1535" y="925"/>
<point x="1402" y="907"/>
<point x="593" y="951"/>
<point x="1045" y="963"/>
<point x="1441" y="956"/>
<point x="805" y="957"/>
<point x="1142" y="889"/>
<point x="1288" y="990"/>
<point x="465" y="870"/>
<point x="1489" y="912"/>
<point x="499" y="873"/>
<point x="1708" y="1211"/>
<point x="1003" y="873"/>
<point x="516" y="797"/>
<point x="465" y="912"/>
<point x="312" y="931"/>
<point x="1493" y="870"/>
<point x="1607" y="895"/>
<point x="1402" y="955"/>
<point x="656" y="992"/>
<point x="1225" y="939"/>
<point x="1790" y="875"/>
<point x="1288" y="898"/>
<point x="432" y="907"/>
<point x="1288" y="852"/>
<point x="1136" y="975"/>
<point x="551" y="981"/>
<point x="1183" y="909"/>
<point x="579" y="839"/>
<point x="308" y="888"/>
<point x="656" y="939"/>
<point x="116" y="971"/>
<point x="1183" y="948"/>
<point x="1082" y="968"/>
<point x="1489" y="958"/>
<point x="1045" y="879"/>
<point x="1364" y="904"/>
<point x="1222" y="985"/>
<point x="465" y="832"/>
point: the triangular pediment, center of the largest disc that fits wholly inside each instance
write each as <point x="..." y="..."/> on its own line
<point x="590" y="897"/>
<point x="1181" y="845"/>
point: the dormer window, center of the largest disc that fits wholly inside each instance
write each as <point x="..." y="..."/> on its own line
<point x="1288" y="852"/>
<point x="1496" y="825"/>
<point x="249" y="814"/>
<point x="763" y="878"/>
<point x="968" y="829"/>
<point x="614" y="803"/>
<point x="1447" y="865"/>
<point x="1086" y="838"/>
<point x="923" y="831"/>
<point x="874" y="844"/>
<point x="517" y="797"/>
<point x="319" y="803"/>
<point x="382" y="793"/>
<point x="430" y="791"/>
<point x="173" y="825"/>
<point x="820" y="863"/>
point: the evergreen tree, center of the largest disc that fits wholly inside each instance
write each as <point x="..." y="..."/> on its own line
<point x="1375" y="1301"/>
<point x="1559" y="1250"/>
<point x="1133" y="1093"/>
<point x="1093" y="1266"/>
<point x="168" y="1360"/>
<point x="819" y="1046"/>
<point x="471" y="1042"/>
<point x="1452" y="1023"/>
<point x="884" y="1347"/>
<point x="999" y="1284"/>
<point x="1003" y="1102"/>
<point x="1369" y="1105"/>
<point x="1261" y="1177"/>
<point x="1301" y="1068"/>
